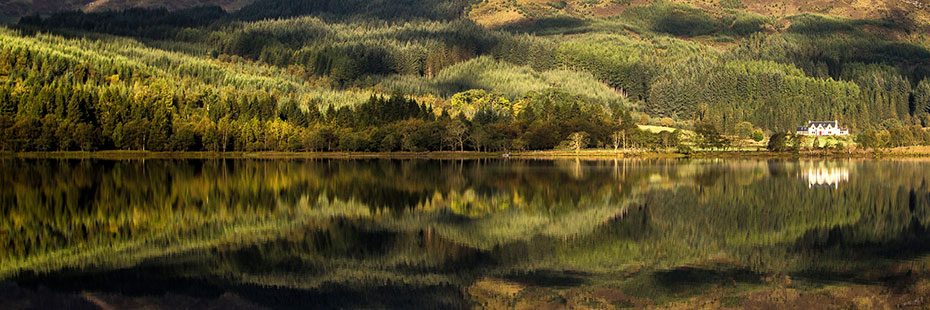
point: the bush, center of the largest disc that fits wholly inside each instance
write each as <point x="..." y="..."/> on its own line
<point x="744" y="24"/>
<point x="561" y="4"/>
<point x="778" y="142"/>
<point x="732" y="4"/>
<point x="685" y="21"/>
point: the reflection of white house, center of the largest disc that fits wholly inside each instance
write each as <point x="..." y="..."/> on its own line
<point x="824" y="128"/>
<point x="821" y="175"/>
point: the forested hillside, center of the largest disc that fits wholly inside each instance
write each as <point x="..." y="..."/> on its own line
<point x="508" y="11"/>
<point x="420" y="75"/>
<point x="19" y="8"/>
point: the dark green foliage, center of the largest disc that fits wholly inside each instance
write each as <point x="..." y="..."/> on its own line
<point x="827" y="51"/>
<point x="920" y="103"/>
<point x="550" y="117"/>
<point x="400" y="124"/>
<point x="291" y="112"/>
<point x="819" y="24"/>
<point x="744" y="24"/>
<point x="887" y="92"/>
<point x="685" y="23"/>
<point x="613" y="61"/>
<point x="343" y="64"/>
<point x="211" y="80"/>
<point x="758" y="92"/>
<point x="550" y="26"/>
<point x="559" y="4"/>
<point x="150" y="23"/>
<point x="379" y="111"/>
<point x="732" y="4"/>
<point x="674" y="19"/>
<point x="778" y="142"/>
<point x="710" y="137"/>
<point x="346" y="52"/>
<point x="873" y="139"/>
<point x="89" y="110"/>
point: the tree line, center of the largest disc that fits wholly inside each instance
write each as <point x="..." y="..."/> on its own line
<point x="819" y="68"/>
<point x="51" y="101"/>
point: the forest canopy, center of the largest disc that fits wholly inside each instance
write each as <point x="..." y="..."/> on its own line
<point x="300" y="75"/>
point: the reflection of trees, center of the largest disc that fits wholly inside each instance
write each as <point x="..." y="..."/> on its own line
<point x="771" y="222"/>
<point x="60" y="212"/>
<point x="306" y="223"/>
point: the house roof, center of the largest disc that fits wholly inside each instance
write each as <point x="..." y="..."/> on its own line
<point x="822" y="124"/>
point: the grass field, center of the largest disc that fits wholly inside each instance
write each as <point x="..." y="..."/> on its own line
<point x="658" y="129"/>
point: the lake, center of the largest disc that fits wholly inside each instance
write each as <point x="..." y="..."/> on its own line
<point x="496" y="233"/>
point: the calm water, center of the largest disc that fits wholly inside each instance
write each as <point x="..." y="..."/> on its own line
<point x="456" y="233"/>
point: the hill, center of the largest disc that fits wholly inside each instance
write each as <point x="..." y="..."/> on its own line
<point x="504" y="12"/>
<point x="415" y="75"/>
<point x="494" y="12"/>
<point x="488" y="12"/>
<point x="107" y="5"/>
<point x="17" y="8"/>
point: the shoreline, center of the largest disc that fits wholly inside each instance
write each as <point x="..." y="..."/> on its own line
<point x="593" y="154"/>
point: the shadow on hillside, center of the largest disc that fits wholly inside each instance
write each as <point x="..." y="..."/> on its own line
<point x="561" y="25"/>
<point x="821" y="25"/>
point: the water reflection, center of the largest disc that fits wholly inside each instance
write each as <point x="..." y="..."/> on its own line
<point x="444" y="233"/>
<point x="825" y="173"/>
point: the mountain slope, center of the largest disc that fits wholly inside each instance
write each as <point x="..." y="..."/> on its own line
<point x="503" y="12"/>
<point x="18" y="8"/>
<point x="105" y="5"/>
<point x="274" y="79"/>
<point x="490" y="12"/>
<point x="381" y="9"/>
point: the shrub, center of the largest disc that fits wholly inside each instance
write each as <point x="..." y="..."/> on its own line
<point x="732" y="4"/>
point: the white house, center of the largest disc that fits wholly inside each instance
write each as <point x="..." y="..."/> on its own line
<point x="822" y="128"/>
